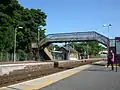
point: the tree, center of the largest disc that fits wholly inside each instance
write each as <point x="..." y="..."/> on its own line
<point x="94" y="48"/>
<point x="6" y="29"/>
<point x="13" y="15"/>
<point x="91" y="48"/>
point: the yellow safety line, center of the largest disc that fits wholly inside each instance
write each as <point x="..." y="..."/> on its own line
<point x="53" y="80"/>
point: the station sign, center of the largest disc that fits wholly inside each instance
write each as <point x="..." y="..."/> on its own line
<point x="117" y="39"/>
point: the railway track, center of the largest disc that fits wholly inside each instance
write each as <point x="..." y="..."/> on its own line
<point x="28" y="74"/>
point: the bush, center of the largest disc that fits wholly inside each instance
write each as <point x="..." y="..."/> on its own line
<point x="22" y="55"/>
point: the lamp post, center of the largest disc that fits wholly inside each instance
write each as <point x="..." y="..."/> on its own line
<point x="39" y="37"/>
<point x="108" y="27"/>
<point x="39" y="34"/>
<point x="38" y="42"/>
<point x="15" y="42"/>
<point x="40" y="28"/>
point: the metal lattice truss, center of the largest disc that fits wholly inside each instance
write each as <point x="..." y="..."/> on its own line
<point x="75" y="37"/>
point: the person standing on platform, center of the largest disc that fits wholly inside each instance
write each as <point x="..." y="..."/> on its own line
<point x="111" y="59"/>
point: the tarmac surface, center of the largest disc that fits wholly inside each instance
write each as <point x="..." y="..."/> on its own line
<point x="97" y="77"/>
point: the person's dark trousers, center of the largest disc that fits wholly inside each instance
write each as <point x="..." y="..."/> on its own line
<point x="110" y="62"/>
<point x="112" y="65"/>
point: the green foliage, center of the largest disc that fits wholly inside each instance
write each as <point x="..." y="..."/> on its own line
<point x="22" y="55"/>
<point x="13" y="15"/>
<point x="91" y="48"/>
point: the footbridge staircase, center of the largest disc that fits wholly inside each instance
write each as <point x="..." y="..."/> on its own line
<point x="73" y="37"/>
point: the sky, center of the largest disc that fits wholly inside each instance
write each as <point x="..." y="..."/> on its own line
<point x="65" y="16"/>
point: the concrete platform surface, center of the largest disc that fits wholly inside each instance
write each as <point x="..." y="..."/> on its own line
<point x="36" y="84"/>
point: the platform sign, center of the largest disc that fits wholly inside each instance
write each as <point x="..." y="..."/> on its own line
<point x="117" y="47"/>
<point x="117" y="39"/>
<point x="117" y="54"/>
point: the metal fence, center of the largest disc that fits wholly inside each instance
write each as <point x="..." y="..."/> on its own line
<point x="5" y="56"/>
